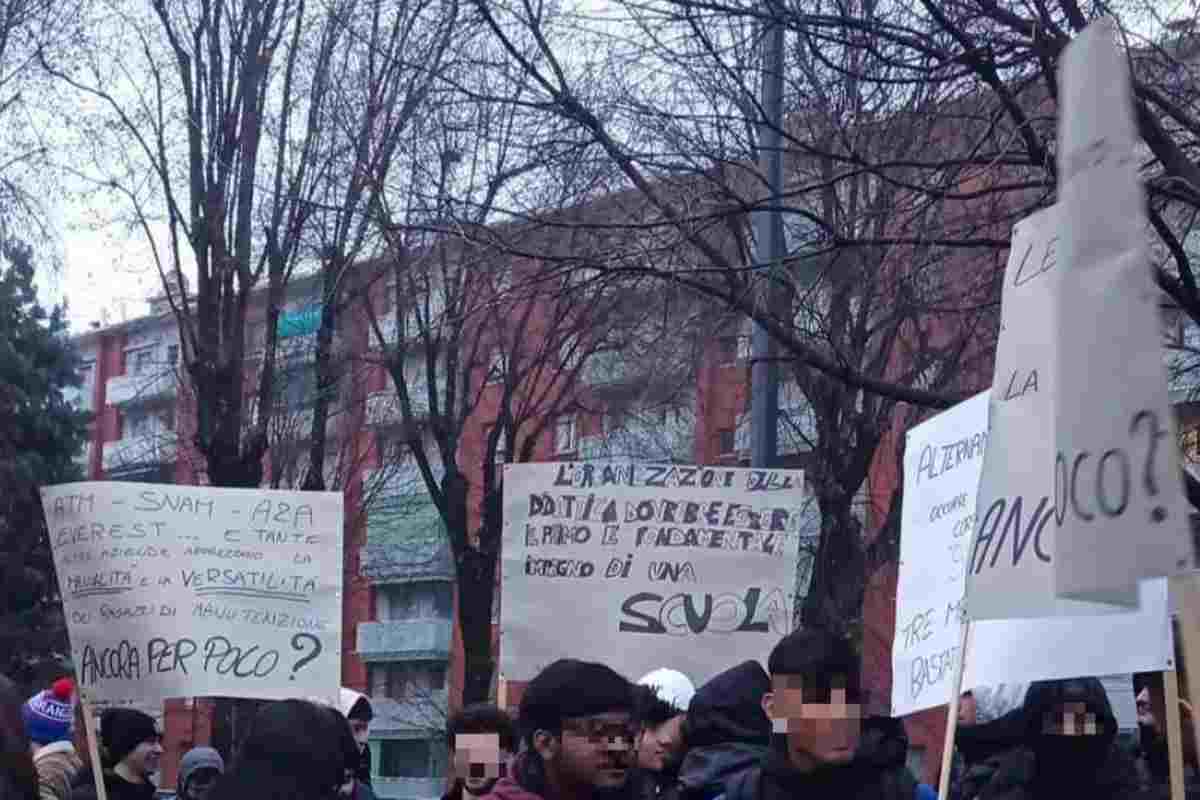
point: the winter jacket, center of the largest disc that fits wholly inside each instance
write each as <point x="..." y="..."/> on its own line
<point x="1052" y="767"/>
<point x="877" y="772"/>
<point x="57" y="765"/>
<point x="726" y="732"/>
<point x="350" y="703"/>
<point x="116" y="787"/>
<point x="510" y="789"/>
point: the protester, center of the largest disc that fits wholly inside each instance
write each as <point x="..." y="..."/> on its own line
<point x="726" y="731"/>
<point x="1152" y="758"/>
<point x="48" y="716"/>
<point x="659" y="744"/>
<point x="576" y="723"/>
<point x="671" y="686"/>
<point x="968" y="709"/>
<point x="131" y="748"/>
<point x="1067" y="749"/>
<point x="820" y="748"/>
<point x="199" y="770"/>
<point x="356" y="708"/>
<point x="294" y="750"/>
<point x="18" y="777"/>
<point x="482" y="740"/>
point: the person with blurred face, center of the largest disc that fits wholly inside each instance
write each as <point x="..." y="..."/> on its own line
<point x="968" y="709"/>
<point x="198" y="772"/>
<point x="577" y="728"/>
<point x="356" y="708"/>
<point x="820" y="746"/>
<point x="482" y="741"/>
<point x="131" y="750"/>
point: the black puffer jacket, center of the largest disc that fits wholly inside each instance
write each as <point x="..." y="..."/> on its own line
<point x="1054" y="767"/>
<point x="115" y="787"/>
<point x="727" y="731"/>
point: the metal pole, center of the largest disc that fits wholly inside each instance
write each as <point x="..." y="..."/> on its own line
<point x="769" y="250"/>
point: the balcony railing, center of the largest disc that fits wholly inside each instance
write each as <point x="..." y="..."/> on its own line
<point x="405" y="640"/>
<point x="383" y="407"/>
<point x="152" y="448"/>
<point x="423" y="712"/>
<point x="134" y="389"/>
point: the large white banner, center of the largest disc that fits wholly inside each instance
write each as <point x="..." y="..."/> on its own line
<point x="1120" y="510"/>
<point x="175" y="591"/>
<point x="645" y="566"/>
<point x="939" y="502"/>
<point x="943" y="458"/>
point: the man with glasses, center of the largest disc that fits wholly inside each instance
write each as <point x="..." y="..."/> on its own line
<point x="576" y="723"/>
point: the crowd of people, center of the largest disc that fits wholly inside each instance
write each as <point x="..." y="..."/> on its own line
<point x="797" y="729"/>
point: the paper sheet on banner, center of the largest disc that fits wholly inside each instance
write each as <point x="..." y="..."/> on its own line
<point x="644" y="566"/>
<point x="1122" y="514"/>
<point x="179" y="591"/>
<point x="931" y="582"/>
<point x="1010" y="569"/>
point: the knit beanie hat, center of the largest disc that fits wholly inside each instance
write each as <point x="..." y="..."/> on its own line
<point x="196" y="759"/>
<point x="569" y="688"/>
<point x="123" y="729"/>
<point x="48" y="714"/>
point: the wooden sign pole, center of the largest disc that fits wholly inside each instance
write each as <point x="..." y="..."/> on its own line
<point x="93" y="744"/>
<point x="1173" y="724"/>
<point x="952" y="711"/>
<point x="1185" y="597"/>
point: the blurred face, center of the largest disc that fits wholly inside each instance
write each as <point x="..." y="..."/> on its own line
<point x="968" y="710"/>
<point x="594" y="751"/>
<point x="479" y="761"/>
<point x="1070" y="719"/>
<point x="820" y="717"/>
<point x="661" y="746"/>
<point x="144" y="760"/>
<point x="200" y="783"/>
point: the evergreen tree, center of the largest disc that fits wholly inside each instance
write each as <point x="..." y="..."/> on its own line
<point x="40" y="433"/>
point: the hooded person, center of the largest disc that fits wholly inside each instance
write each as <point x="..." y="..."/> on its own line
<point x="820" y="747"/>
<point x="199" y="770"/>
<point x="356" y="708"/>
<point x="48" y="717"/>
<point x="1067" y="749"/>
<point x="131" y="749"/>
<point x="726" y="730"/>
<point x="577" y="731"/>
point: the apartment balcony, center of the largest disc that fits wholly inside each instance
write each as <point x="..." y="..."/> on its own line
<point x="383" y="408"/>
<point x="128" y="390"/>
<point x="409" y="788"/>
<point x="671" y="440"/>
<point x="148" y="449"/>
<point x="402" y="562"/>
<point x="423" y="712"/>
<point x="84" y="457"/>
<point x="405" y="640"/>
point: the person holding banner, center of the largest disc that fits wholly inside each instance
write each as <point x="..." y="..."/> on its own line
<point x="1068" y="749"/>
<point x="131" y="748"/>
<point x="576" y="722"/>
<point x="48" y="717"/>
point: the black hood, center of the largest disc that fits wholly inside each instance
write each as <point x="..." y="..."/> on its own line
<point x="729" y="708"/>
<point x="1060" y="760"/>
<point x="712" y="765"/>
<point x="1043" y="696"/>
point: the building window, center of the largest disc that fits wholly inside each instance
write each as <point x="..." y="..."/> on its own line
<point x="727" y="350"/>
<point x="405" y="758"/>
<point x="140" y="362"/>
<point x="565" y="435"/>
<point x="300" y="388"/>
<point x="172" y="354"/>
<point x="728" y="441"/>
<point x="407" y="680"/>
<point x="137" y="424"/>
<point x="422" y="600"/>
<point x="87" y="374"/>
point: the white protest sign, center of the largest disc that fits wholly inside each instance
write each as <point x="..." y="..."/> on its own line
<point x="1011" y="569"/>
<point x="175" y="591"/>
<point x="931" y="583"/>
<point x="1120" y="509"/>
<point x="645" y="566"/>
<point x="943" y="458"/>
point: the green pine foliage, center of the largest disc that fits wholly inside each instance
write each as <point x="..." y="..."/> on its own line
<point x="40" y="433"/>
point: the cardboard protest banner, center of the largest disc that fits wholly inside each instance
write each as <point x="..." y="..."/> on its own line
<point x="644" y="566"/>
<point x="1011" y="569"/>
<point x="1118" y="502"/>
<point x="931" y="582"/>
<point x="173" y="591"/>
<point x="943" y="458"/>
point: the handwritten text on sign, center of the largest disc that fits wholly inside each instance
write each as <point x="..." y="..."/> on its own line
<point x="174" y="591"/>
<point x="938" y="518"/>
<point x="643" y="565"/>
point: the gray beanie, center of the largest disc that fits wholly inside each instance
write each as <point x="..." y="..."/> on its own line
<point x="196" y="759"/>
